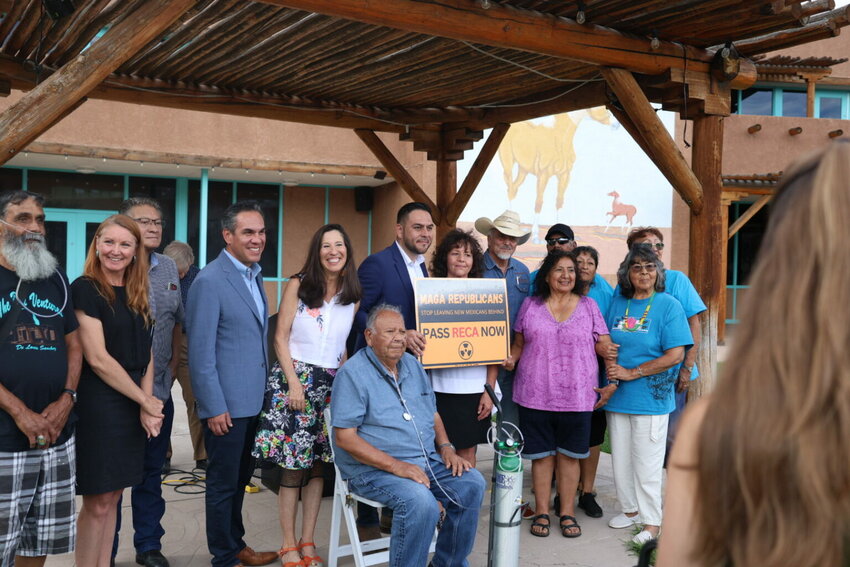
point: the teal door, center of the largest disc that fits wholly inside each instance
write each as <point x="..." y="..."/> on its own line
<point x="69" y="233"/>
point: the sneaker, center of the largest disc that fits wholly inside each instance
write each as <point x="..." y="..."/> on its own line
<point x="642" y="537"/>
<point x="622" y="521"/>
<point x="587" y="502"/>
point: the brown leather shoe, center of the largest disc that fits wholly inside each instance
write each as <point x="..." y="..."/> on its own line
<point x="248" y="557"/>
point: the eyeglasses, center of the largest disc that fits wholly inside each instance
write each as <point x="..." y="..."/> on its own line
<point x="638" y="268"/>
<point x="554" y="241"/>
<point x="650" y="245"/>
<point x="147" y="222"/>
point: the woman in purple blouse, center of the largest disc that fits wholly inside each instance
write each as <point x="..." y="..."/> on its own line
<point x="558" y="333"/>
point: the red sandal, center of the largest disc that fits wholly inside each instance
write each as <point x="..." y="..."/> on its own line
<point x="284" y="550"/>
<point x="310" y="560"/>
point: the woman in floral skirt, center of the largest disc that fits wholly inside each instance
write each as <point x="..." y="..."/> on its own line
<point x="314" y="320"/>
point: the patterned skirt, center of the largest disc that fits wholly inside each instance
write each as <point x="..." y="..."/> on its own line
<point x="295" y="439"/>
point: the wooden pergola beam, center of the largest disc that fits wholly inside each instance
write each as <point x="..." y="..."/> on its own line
<point x="476" y="172"/>
<point x="508" y="27"/>
<point x="396" y="170"/>
<point x="28" y="118"/>
<point x="748" y="214"/>
<point x="194" y="160"/>
<point x="206" y="99"/>
<point x="662" y="148"/>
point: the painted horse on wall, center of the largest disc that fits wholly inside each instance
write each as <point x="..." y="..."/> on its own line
<point x="619" y="209"/>
<point x="545" y="152"/>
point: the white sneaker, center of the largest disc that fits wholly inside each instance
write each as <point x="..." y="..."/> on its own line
<point x="622" y="521"/>
<point x="642" y="537"/>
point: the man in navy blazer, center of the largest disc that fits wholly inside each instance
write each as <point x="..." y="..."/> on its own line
<point x="387" y="276"/>
<point x="227" y="324"/>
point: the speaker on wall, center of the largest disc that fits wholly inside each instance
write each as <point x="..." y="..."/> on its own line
<point x="363" y="197"/>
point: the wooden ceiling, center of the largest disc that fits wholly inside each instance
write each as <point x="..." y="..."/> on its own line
<point x="397" y="65"/>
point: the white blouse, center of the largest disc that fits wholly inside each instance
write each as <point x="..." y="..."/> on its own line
<point x="318" y="335"/>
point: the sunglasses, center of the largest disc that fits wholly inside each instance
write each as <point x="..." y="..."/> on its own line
<point x="554" y="241"/>
<point x="638" y="268"/>
<point x="657" y="245"/>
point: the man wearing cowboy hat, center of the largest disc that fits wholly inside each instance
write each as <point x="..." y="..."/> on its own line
<point x="504" y="234"/>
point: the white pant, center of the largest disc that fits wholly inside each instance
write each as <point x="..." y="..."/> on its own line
<point x="638" y="443"/>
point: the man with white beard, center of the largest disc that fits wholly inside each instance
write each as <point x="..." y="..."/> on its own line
<point x="41" y="360"/>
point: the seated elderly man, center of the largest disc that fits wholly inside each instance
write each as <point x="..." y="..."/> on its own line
<point x="392" y="448"/>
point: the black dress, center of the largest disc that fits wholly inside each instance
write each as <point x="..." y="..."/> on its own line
<point x="110" y="437"/>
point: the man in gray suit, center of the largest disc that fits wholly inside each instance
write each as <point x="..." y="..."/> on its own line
<point x="227" y="323"/>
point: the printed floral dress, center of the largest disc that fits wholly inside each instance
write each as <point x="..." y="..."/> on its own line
<point x="297" y="439"/>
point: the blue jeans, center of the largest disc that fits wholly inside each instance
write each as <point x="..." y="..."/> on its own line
<point x="415" y="513"/>
<point x="510" y="412"/>
<point x="147" y="501"/>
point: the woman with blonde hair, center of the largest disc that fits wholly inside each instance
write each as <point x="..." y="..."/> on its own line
<point x="759" y="474"/>
<point x="116" y="407"/>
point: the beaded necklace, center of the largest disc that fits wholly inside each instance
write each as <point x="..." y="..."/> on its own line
<point x="631" y="325"/>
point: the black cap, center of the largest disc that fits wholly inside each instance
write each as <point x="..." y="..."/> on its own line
<point x="560" y="229"/>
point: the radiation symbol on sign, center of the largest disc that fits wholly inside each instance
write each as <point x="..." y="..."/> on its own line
<point x="465" y="350"/>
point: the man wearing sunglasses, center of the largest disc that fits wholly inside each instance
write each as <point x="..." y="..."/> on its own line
<point x="559" y="237"/>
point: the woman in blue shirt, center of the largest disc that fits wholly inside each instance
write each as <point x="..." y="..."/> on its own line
<point x="651" y="331"/>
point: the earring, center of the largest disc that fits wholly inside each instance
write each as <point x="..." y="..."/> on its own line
<point x="134" y="258"/>
<point x="97" y="253"/>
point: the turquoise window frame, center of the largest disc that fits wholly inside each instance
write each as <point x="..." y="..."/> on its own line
<point x="181" y="209"/>
<point x="777" y="104"/>
<point x="844" y="96"/>
<point x="732" y="289"/>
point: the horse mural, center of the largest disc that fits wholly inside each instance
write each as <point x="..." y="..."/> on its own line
<point x="619" y="209"/>
<point x="545" y="152"/>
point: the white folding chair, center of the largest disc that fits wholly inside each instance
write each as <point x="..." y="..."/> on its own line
<point x="372" y="552"/>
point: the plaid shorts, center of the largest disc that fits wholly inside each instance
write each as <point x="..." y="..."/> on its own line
<point x="37" y="505"/>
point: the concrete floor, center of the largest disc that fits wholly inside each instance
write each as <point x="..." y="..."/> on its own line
<point x="184" y="543"/>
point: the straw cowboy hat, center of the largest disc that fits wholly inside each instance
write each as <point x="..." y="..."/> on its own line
<point x="507" y="223"/>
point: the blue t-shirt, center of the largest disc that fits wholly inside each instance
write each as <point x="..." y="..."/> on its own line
<point x="665" y="327"/>
<point x="516" y="281"/>
<point x="679" y="286"/>
<point x="364" y="397"/>
<point x="601" y="292"/>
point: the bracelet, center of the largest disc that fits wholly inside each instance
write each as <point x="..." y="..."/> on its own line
<point x="639" y="370"/>
<point x="447" y="444"/>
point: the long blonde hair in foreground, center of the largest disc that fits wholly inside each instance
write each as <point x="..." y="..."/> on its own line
<point x="135" y="277"/>
<point x="774" y="447"/>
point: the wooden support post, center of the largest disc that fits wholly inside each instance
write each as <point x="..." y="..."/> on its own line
<point x="25" y="120"/>
<point x="446" y="193"/>
<point x="473" y="178"/>
<point x="724" y="258"/>
<point x="810" y="97"/>
<point x="396" y="170"/>
<point x="706" y="243"/>
<point x="656" y="138"/>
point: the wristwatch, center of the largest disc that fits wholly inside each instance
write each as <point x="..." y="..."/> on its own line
<point x="440" y="447"/>
<point x="72" y="393"/>
<point x="615" y="382"/>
